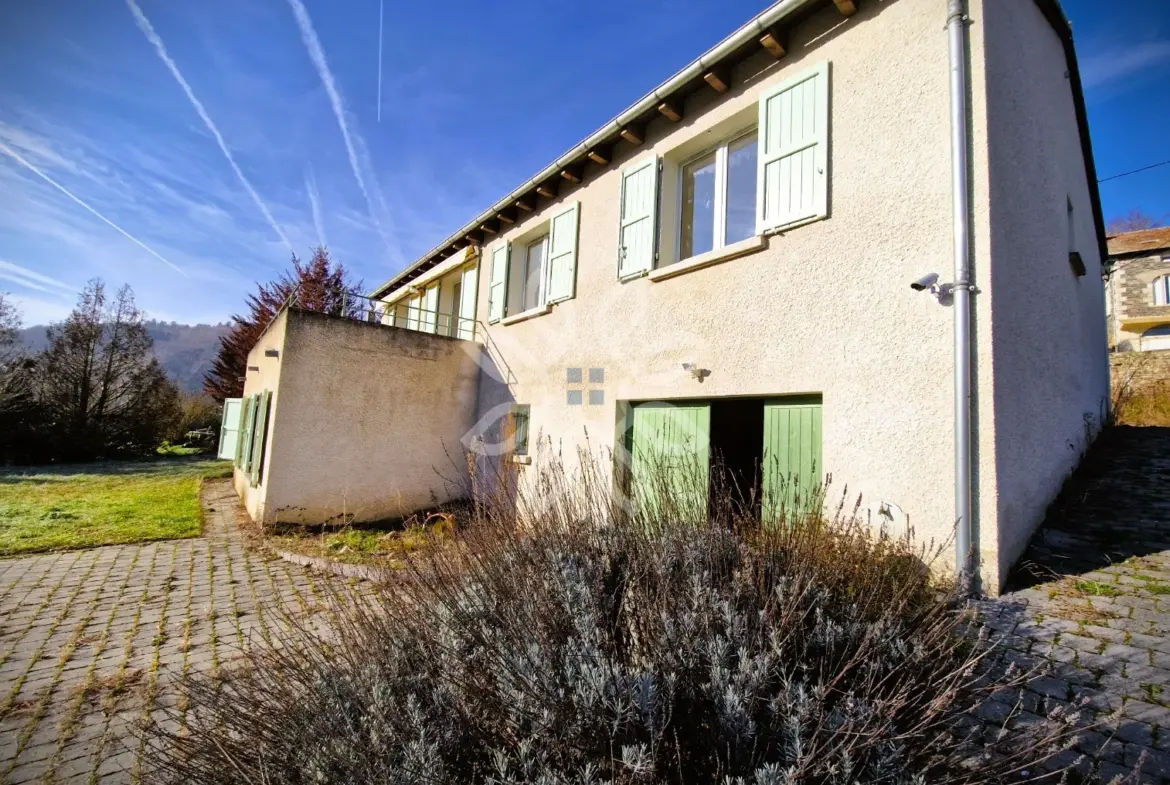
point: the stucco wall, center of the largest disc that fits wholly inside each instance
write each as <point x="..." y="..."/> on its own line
<point x="265" y="377"/>
<point x="826" y="308"/>
<point x="1045" y="382"/>
<point x="367" y="420"/>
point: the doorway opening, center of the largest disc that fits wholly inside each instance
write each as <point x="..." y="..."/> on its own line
<point x="737" y="453"/>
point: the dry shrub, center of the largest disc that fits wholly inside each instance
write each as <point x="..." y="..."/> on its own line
<point x="1145" y="405"/>
<point x="568" y="637"/>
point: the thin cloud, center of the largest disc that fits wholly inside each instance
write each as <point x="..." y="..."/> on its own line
<point x="153" y="37"/>
<point x="1116" y="64"/>
<point x="355" y="147"/>
<point x="315" y="203"/>
<point x="30" y="279"/>
<point x="20" y="160"/>
<point x="381" y="8"/>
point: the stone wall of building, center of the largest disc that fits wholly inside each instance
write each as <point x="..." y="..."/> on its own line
<point x="1139" y="369"/>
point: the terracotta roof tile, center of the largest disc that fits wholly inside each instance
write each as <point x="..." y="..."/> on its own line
<point x="1136" y="242"/>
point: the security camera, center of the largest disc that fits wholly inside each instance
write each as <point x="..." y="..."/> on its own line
<point x="925" y="282"/>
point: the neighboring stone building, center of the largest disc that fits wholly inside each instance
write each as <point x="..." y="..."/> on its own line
<point x="1137" y="291"/>
<point x="726" y="269"/>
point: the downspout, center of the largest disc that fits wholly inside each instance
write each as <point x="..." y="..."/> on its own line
<point x="965" y="566"/>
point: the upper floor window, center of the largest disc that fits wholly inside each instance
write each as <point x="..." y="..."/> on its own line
<point x="719" y="197"/>
<point x="1162" y="290"/>
<point x="533" y="276"/>
<point x="763" y="169"/>
<point x="542" y="271"/>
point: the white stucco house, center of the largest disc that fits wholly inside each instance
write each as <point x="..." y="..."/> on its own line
<point x="857" y="237"/>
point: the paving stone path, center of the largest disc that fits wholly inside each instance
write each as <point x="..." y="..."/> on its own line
<point x="1090" y="599"/>
<point x="90" y="641"/>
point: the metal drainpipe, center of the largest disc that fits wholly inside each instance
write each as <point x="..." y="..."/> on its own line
<point x="957" y="43"/>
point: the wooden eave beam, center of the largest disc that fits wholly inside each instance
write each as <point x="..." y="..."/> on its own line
<point x="506" y="216"/>
<point x="474" y="237"/>
<point x="548" y="189"/>
<point x="490" y="227"/>
<point x="601" y="155"/>
<point x="671" y="110"/>
<point x="524" y="203"/>
<point x="719" y="78"/>
<point x="775" y="41"/>
<point x="574" y="173"/>
<point x="634" y="134"/>
<point x="846" y="7"/>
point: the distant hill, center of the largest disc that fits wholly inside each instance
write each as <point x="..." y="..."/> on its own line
<point x="184" y="350"/>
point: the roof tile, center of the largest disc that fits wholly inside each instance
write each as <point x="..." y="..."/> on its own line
<point x="1136" y="242"/>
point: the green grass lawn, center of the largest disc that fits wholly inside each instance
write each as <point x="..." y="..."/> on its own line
<point x="81" y="506"/>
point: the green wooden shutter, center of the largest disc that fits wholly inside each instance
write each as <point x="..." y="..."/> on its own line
<point x="639" y="219"/>
<point x="793" y="158"/>
<point x="259" y="432"/>
<point x="244" y="444"/>
<point x="468" y="294"/>
<point x="670" y="452"/>
<point x="792" y="455"/>
<point x="413" y="308"/>
<point x="498" y="289"/>
<point x="429" y="309"/>
<point x="229" y="429"/>
<point x="562" y="254"/>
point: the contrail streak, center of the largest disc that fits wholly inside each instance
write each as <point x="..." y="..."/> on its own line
<point x="31" y="279"/>
<point x="17" y="157"/>
<point x="353" y="141"/>
<point x="153" y="37"/>
<point x="381" y="7"/>
<point x="315" y="203"/>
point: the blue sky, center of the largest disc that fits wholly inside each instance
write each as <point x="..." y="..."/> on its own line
<point x="192" y="146"/>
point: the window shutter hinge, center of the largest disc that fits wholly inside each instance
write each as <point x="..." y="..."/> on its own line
<point x="660" y="164"/>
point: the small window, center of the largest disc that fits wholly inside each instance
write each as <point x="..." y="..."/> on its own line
<point x="719" y="197"/>
<point x="534" y="262"/>
<point x="520" y="422"/>
<point x="1162" y="290"/>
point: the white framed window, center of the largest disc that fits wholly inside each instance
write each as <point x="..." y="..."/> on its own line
<point x="1161" y="287"/>
<point x="536" y="270"/>
<point x="718" y="196"/>
<point x="535" y="257"/>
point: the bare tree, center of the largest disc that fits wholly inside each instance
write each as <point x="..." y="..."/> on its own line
<point x="101" y="388"/>
<point x="1133" y="221"/>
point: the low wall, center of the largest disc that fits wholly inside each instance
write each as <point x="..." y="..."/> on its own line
<point x="369" y="421"/>
<point x="1139" y="369"/>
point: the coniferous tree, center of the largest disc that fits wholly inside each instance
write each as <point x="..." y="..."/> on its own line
<point x="321" y="284"/>
<point x="100" y="390"/>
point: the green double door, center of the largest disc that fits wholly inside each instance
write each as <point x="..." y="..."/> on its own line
<point x="670" y="446"/>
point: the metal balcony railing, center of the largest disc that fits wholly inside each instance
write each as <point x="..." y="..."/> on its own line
<point x="360" y="308"/>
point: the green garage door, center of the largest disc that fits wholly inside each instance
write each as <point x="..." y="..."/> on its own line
<point x="792" y="454"/>
<point x="670" y="449"/>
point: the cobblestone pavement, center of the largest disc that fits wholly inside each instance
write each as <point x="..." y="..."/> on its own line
<point x="90" y="641"/>
<point x="1091" y="600"/>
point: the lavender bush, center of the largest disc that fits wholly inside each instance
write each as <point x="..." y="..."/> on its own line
<point x="564" y="639"/>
